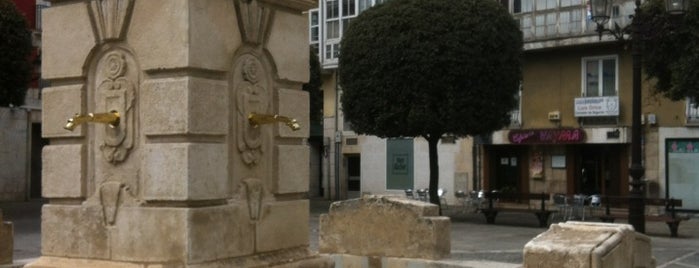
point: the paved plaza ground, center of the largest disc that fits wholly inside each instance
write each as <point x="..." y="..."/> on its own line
<point x="473" y="242"/>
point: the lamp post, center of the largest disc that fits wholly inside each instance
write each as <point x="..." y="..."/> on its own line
<point x="601" y="11"/>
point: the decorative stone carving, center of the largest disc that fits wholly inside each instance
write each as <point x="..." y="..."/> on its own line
<point x="110" y="18"/>
<point x="253" y="19"/>
<point x="254" y="191"/>
<point x="111" y="195"/>
<point x="116" y="93"/>
<point x="252" y="94"/>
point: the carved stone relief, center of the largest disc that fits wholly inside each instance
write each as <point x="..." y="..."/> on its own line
<point x="116" y="92"/>
<point x="110" y="18"/>
<point x="254" y="192"/>
<point x="112" y="195"/>
<point x="254" y="19"/>
<point x="252" y="95"/>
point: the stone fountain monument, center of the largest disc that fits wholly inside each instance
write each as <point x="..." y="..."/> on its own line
<point x="184" y="145"/>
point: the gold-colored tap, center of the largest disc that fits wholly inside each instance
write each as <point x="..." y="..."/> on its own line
<point x="259" y="119"/>
<point x="110" y="118"/>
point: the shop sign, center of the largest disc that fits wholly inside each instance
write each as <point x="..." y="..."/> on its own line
<point x="547" y="136"/>
<point x="597" y="106"/>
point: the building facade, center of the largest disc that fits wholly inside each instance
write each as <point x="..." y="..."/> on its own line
<point x="351" y="164"/>
<point x="571" y="133"/>
<point x="574" y="136"/>
<point x="20" y="126"/>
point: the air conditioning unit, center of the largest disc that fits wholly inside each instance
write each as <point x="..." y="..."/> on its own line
<point x="555" y="116"/>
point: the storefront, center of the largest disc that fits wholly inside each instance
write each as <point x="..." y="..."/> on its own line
<point x="561" y="160"/>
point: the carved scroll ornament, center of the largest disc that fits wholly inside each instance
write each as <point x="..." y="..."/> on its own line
<point x="116" y="92"/>
<point x="252" y="96"/>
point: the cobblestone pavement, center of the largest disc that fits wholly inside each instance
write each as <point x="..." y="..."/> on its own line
<point x="472" y="241"/>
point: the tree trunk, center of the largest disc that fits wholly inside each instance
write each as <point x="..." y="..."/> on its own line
<point x="433" y="141"/>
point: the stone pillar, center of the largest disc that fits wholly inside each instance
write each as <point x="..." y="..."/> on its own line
<point x="586" y="244"/>
<point x="183" y="180"/>
<point x="6" y="241"/>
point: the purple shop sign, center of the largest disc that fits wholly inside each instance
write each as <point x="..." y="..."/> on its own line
<point x="547" y="136"/>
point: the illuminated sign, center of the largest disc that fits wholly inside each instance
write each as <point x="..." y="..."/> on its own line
<point x="547" y="136"/>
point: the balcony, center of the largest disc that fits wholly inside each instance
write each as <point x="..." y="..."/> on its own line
<point x="552" y="23"/>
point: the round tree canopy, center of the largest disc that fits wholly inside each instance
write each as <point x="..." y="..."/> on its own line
<point x="413" y="68"/>
<point x="671" y="49"/>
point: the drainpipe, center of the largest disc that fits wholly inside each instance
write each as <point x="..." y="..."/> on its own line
<point x="338" y="137"/>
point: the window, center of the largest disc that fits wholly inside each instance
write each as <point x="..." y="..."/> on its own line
<point x="692" y="112"/>
<point x="571" y="22"/>
<point x="600" y="76"/>
<point x="332" y="29"/>
<point x="546" y="4"/>
<point x="349" y="8"/>
<point x="332" y="51"/>
<point x="615" y="11"/>
<point x="332" y="9"/>
<point x="599" y="80"/>
<point x="314" y="32"/>
<point x="335" y="17"/>
<point x="364" y="4"/>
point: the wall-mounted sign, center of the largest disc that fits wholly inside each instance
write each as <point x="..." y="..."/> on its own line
<point x="546" y="136"/>
<point x="558" y="161"/>
<point x="597" y="106"/>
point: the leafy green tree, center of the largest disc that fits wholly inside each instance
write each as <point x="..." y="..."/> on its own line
<point x="426" y="68"/>
<point x="671" y="49"/>
<point x="15" y="46"/>
<point x="313" y="88"/>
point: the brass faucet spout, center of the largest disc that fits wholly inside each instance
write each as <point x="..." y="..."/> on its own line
<point x="110" y="118"/>
<point x="259" y="119"/>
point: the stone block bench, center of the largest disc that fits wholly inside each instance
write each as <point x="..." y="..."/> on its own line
<point x="385" y="226"/>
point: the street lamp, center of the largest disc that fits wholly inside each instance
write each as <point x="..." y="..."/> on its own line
<point x="600" y="14"/>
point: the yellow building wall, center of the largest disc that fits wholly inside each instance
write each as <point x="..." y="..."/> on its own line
<point x="553" y="79"/>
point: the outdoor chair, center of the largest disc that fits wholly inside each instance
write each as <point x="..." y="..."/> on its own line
<point x="476" y="200"/>
<point x="441" y="193"/>
<point x="462" y="199"/>
<point x="578" y="206"/>
<point x="422" y="194"/>
<point x="563" y="208"/>
<point x="409" y="194"/>
<point x="595" y="203"/>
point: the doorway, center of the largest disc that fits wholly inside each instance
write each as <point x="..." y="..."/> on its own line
<point x="354" y="187"/>
<point x="506" y="169"/>
<point x="598" y="170"/>
<point x="37" y="143"/>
